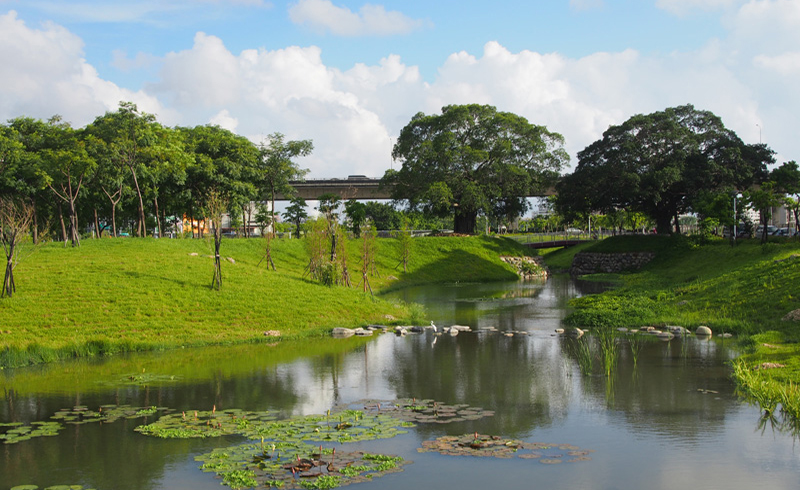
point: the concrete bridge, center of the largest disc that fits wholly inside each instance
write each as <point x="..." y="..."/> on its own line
<point x="358" y="187"/>
<point x="554" y="243"/>
<point x="353" y="187"/>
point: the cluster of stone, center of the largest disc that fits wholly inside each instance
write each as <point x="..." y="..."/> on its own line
<point x="527" y="267"/>
<point x="594" y="262"/>
<point x="343" y="333"/>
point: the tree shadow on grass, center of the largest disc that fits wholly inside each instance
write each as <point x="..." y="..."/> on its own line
<point x="459" y="266"/>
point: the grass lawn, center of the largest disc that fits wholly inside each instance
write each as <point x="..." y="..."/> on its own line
<point x="123" y="295"/>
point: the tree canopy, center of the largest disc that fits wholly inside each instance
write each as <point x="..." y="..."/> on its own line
<point x="473" y="159"/>
<point x="659" y="164"/>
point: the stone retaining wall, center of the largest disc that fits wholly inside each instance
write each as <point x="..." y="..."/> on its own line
<point x="593" y="262"/>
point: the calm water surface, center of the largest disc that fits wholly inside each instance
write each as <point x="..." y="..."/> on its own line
<point x="672" y="422"/>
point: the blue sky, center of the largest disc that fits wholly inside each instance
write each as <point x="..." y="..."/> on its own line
<point x="349" y="74"/>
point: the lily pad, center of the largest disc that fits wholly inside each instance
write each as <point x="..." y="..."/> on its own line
<point x="296" y="465"/>
<point x="424" y="411"/>
<point x="343" y="426"/>
<point x="481" y="445"/>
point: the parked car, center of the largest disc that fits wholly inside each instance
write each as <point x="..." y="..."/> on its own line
<point x="770" y="230"/>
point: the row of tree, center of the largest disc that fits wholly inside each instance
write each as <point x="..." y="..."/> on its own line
<point x="125" y="166"/>
<point x="474" y="160"/>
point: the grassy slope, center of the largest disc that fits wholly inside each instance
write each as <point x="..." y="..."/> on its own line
<point x="118" y="295"/>
<point x="742" y="289"/>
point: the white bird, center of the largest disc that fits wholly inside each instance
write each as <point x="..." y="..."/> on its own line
<point x="434" y="326"/>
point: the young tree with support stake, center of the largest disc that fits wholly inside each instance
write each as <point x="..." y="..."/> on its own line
<point x="15" y="221"/>
<point x="216" y="204"/>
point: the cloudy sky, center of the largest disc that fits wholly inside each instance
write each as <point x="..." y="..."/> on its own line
<point x="349" y="74"/>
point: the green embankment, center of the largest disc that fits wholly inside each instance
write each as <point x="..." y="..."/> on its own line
<point x="124" y="295"/>
<point x="744" y="289"/>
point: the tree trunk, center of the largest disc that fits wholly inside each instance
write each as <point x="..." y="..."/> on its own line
<point x="216" y="282"/>
<point x="158" y="219"/>
<point x="140" y="230"/>
<point x="8" y="281"/>
<point x="98" y="231"/>
<point x="272" y="213"/>
<point x="114" y="220"/>
<point x="35" y="224"/>
<point x="73" y="225"/>
<point x="191" y="217"/>
<point x="63" y="228"/>
<point x="465" y="222"/>
<point x="663" y="223"/>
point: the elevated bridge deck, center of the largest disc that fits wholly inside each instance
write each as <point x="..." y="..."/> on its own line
<point x="357" y="187"/>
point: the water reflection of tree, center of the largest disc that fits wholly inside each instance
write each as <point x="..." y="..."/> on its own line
<point x="678" y="389"/>
<point x="520" y="380"/>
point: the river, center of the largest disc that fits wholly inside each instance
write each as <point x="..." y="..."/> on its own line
<point x="668" y="421"/>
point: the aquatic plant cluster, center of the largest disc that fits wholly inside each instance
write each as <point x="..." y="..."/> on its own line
<point x="14" y="432"/>
<point x="425" y="411"/>
<point x="295" y="465"/>
<point x="54" y="487"/>
<point x="344" y="426"/>
<point x="292" y="453"/>
<point x="283" y="456"/>
<point x="497" y="447"/>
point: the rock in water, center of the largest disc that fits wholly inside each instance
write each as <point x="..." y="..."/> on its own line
<point x="704" y="331"/>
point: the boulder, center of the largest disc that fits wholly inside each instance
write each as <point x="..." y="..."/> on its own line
<point x="362" y="332"/>
<point x="342" y="333"/>
<point x="792" y="316"/>
<point x="665" y="336"/>
<point x="703" y="331"/>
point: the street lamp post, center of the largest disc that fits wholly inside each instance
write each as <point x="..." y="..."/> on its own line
<point x="736" y="195"/>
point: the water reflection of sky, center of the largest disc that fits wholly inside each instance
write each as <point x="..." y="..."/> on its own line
<point x="671" y="421"/>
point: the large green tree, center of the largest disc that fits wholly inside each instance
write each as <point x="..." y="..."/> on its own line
<point x="129" y="136"/>
<point x="62" y="163"/>
<point x="657" y="163"/>
<point x="473" y="159"/>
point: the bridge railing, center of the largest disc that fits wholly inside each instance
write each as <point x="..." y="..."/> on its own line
<point x="554" y="236"/>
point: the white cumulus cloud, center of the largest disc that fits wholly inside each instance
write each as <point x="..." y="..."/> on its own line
<point x="352" y="115"/>
<point x="45" y="73"/>
<point x="370" y="20"/>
